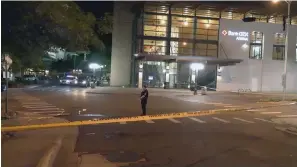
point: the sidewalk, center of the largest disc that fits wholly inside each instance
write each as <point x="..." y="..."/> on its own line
<point x="30" y="148"/>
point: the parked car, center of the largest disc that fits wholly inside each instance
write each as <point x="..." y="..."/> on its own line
<point x="84" y="81"/>
<point x="69" y="80"/>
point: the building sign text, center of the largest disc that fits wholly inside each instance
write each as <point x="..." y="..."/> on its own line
<point x="240" y="36"/>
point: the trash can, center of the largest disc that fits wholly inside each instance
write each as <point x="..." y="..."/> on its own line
<point x="93" y="85"/>
<point x="203" y="90"/>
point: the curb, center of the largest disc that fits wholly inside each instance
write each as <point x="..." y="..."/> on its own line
<point x="49" y="157"/>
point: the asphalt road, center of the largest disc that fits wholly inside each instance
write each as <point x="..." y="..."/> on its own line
<point x="229" y="139"/>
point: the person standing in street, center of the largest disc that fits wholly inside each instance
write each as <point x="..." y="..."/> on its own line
<point x="143" y="98"/>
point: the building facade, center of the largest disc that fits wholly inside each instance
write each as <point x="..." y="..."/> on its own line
<point x="160" y="32"/>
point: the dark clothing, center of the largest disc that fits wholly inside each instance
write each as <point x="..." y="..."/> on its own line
<point x="144" y="94"/>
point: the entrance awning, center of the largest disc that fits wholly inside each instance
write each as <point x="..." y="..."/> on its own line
<point x="197" y="59"/>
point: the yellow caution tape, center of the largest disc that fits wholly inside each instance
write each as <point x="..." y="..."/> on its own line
<point x="129" y="119"/>
<point x="108" y="120"/>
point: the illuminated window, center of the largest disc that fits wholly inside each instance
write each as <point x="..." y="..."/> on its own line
<point x="276" y="19"/>
<point x="182" y="27"/>
<point x="294" y="20"/>
<point x="232" y="15"/>
<point x="155" y="25"/>
<point x="207" y="29"/>
<point x="279" y="46"/>
<point x="259" y="18"/>
<point x="154" y="47"/>
<point x="180" y="48"/>
<point x="256" y="43"/>
<point x="187" y="11"/>
<point x="156" y="8"/>
<point x="206" y="49"/>
<point x="207" y="13"/>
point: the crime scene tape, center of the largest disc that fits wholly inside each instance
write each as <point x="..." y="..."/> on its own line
<point x="131" y="119"/>
<point x="108" y="120"/>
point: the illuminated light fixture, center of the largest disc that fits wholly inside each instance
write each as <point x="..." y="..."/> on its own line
<point x="140" y="65"/>
<point x="207" y="25"/>
<point x="184" y="43"/>
<point x="163" y="22"/>
<point x="275" y="1"/>
<point x="186" y="23"/>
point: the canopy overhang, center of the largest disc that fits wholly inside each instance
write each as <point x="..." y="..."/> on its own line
<point x="190" y="59"/>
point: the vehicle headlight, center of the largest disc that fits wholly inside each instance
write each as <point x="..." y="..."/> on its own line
<point x="60" y="80"/>
<point x="75" y="82"/>
<point x="84" y="82"/>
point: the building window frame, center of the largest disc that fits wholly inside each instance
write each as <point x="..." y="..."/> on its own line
<point x="278" y="55"/>
<point x="256" y="44"/>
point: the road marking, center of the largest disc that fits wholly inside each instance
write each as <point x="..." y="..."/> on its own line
<point x="35" y="103"/>
<point x="149" y="121"/>
<point x="45" y="112"/>
<point x="197" y="120"/>
<point x="40" y="106"/>
<point x="243" y="120"/>
<point x="123" y="122"/>
<point x="284" y="116"/>
<point x="264" y="120"/>
<point x="45" y="109"/>
<point x="257" y="110"/>
<point x="271" y="112"/>
<point x="173" y="120"/>
<point x="219" y="119"/>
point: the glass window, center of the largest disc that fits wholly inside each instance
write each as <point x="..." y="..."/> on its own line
<point x="203" y="49"/>
<point x="232" y="15"/>
<point x="179" y="48"/>
<point x="259" y="18"/>
<point x="207" y="29"/>
<point x="279" y="46"/>
<point x="154" y="47"/>
<point x="256" y="43"/>
<point x="156" y="8"/>
<point x="155" y="25"/>
<point x="183" y="11"/>
<point x="207" y="13"/>
<point x="294" y="20"/>
<point x="182" y="27"/>
<point x="276" y="19"/>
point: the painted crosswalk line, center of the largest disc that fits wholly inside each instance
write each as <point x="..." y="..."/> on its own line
<point x="123" y="122"/>
<point x="174" y="120"/>
<point x="197" y="120"/>
<point x="286" y="116"/>
<point x="270" y="112"/>
<point x="149" y="121"/>
<point x="243" y="120"/>
<point x="264" y="120"/>
<point x="221" y="120"/>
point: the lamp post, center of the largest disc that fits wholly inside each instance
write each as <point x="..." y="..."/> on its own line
<point x="284" y="76"/>
<point x="196" y="67"/>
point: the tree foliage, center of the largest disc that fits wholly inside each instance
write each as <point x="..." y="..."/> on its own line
<point x="29" y="29"/>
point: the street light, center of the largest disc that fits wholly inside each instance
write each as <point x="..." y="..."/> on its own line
<point x="95" y="66"/>
<point x="284" y="76"/>
<point x="196" y="67"/>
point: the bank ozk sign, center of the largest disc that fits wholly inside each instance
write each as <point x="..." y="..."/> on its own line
<point x="240" y="36"/>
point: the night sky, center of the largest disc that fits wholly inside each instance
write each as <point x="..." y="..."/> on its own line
<point x="98" y="8"/>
